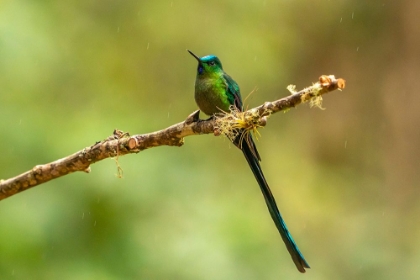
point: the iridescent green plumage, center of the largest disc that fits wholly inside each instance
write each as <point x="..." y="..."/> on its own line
<point x="215" y="91"/>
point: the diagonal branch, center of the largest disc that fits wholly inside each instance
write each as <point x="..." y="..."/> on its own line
<point x="122" y="143"/>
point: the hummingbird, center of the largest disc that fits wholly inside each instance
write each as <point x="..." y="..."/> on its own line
<point x="216" y="92"/>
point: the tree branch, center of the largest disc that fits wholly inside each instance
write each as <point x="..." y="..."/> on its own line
<point x="122" y="143"/>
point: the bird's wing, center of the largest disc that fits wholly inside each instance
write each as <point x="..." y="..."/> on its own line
<point x="233" y="92"/>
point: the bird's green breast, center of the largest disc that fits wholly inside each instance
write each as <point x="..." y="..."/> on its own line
<point x="210" y="94"/>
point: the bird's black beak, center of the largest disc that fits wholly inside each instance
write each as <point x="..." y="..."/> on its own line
<point x="196" y="57"/>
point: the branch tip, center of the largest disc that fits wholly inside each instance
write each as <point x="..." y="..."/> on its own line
<point x="132" y="143"/>
<point x="193" y="117"/>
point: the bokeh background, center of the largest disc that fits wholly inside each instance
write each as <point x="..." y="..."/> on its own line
<point x="346" y="178"/>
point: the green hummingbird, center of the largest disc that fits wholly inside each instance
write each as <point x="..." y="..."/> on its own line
<point x="216" y="91"/>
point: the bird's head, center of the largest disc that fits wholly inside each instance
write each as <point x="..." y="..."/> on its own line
<point x="207" y="64"/>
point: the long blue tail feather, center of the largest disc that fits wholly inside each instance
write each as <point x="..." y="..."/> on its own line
<point x="251" y="154"/>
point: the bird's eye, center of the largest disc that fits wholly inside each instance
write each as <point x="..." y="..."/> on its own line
<point x="211" y="63"/>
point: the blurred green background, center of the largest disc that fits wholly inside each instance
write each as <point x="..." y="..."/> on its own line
<point x="346" y="179"/>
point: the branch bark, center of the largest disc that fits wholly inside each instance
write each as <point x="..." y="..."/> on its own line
<point x="121" y="143"/>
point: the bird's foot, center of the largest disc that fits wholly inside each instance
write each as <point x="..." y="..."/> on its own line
<point x="195" y="117"/>
<point x="209" y="119"/>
